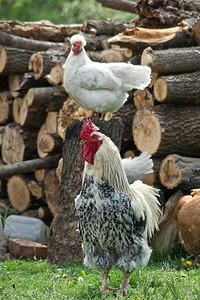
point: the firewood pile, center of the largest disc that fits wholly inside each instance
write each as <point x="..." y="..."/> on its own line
<point x="35" y="111"/>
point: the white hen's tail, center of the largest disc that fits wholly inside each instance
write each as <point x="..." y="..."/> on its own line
<point x="146" y="205"/>
<point x="135" y="168"/>
<point x="139" y="77"/>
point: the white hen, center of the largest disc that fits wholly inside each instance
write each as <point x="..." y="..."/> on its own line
<point x="101" y="87"/>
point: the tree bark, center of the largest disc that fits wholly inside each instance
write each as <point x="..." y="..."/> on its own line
<point x="182" y="172"/>
<point x="29" y="166"/>
<point x="44" y="30"/>
<point x="107" y="27"/>
<point x="181" y="88"/>
<point x="123" y="5"/>
<point x="165" y="129"/>
<point x="172" y="61"/>
<point x="10" y="40"/>
<point x="14" y="61"/>
<point x="155" y="14"/>
<point x="65" y="244"/>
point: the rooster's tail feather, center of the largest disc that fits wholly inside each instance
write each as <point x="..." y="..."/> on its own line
<point x="145" y="201"/>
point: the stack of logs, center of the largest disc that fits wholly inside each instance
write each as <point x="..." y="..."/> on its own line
<point x="35" y="111"/>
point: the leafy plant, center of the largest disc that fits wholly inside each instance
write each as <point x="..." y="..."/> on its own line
<point x="58" y="12"/>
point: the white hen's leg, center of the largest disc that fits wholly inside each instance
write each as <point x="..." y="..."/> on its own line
<point x="124" y="284"/>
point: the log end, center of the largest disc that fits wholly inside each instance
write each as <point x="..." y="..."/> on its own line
<point x="170" y="175"/>
<point x="4" y="107"/>
<point x="18" y="193"/>
<point x="160" y="89"/>
<point x="146" y="131"/>
<point x="3" y="59"/>
<point x="147" y="57"/>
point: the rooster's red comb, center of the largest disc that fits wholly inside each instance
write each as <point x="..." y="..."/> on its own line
<point x="88" y="128"/>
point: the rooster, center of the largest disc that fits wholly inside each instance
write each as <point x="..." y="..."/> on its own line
<point x="100" y="87"/>
<point x="187" y="214"/>
<point x="115" y="218"/>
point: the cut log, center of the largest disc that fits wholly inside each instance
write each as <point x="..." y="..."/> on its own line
<point x="42" y="131"/>
<point x="143" y="98"/>
<point x="108" y="27"/>
<point x="32" y="213"/>
<point x="4" y="107"/>
<point x="14" y="61"/>
<point x="44" y="213"/>
<point x="50" y="143"/>
<point x="165" y="129"/>
<point x="10" y="40"/>
<point x="35" y="189"/>
<point x="172" y="61"/>
<point x="181" y="88"/>
<point x="39" y="174"/>
<point x="51" y="188"/>
<point x="123" y="5"/>
<point x="31" y="110"/>
<point x="44" y="30"/>
<point x="51" y="121"/>
<point x="1" y="134"/>
<point x="42" y="62"/>
<point x="18" y="144"/>
<point x="55" y="77"/>
<point x="29" y="166"/>
<point x="126" y="114"/>
<point x="140" y="38"/>
<point x="14" y="84"/>
<point x="69" y="112"/>
<point x="166" y="238"/>
<point x="110" y="55"/>
<point x="182" y="172"/>
<point x="56" y="102"/>
<point x="155" y="14"/>
<point x="27" y="81"/>
<point x="65" y="243"/>
<point x="18" y="193"/>
<point x="20" y="196"/>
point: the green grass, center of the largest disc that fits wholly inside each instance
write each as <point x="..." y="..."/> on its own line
<point x="161" y="279"/>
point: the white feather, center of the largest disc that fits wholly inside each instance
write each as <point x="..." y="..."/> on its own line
<point x="137" y="167"/>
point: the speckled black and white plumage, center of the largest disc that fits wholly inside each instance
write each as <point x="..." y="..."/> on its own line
<point x="110" y="232"/>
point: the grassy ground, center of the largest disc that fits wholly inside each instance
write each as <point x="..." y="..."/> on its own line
<point x="161" y="279"/>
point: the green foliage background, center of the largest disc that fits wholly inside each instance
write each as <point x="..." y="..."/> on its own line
<point x="58" y="11"/>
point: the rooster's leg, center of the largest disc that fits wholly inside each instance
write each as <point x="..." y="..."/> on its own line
<point x="104" y="285"/>
<point x="124" y="284"/>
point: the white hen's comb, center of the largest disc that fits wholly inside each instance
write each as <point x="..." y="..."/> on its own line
<point x="78" y="38"/>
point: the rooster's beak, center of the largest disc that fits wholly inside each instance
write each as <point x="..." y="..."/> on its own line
<point x="82" y="142"/>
